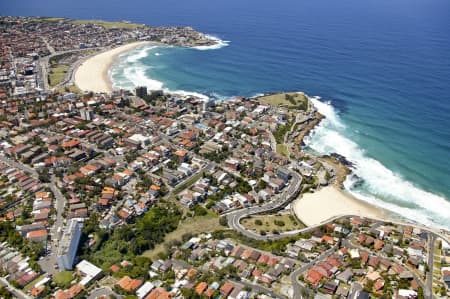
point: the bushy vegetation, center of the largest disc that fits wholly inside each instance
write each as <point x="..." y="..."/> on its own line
<point x="138" y="268"/>
<point x="5" y="294"/>
<point x="274" y="246"/>
<point x="281" y="132"/>
<point x="200" y="211"/>
<point x="131" y="240"/>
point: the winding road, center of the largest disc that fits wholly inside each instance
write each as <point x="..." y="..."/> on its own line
<point x="234" y="221"/>
<point x="292" y="191"/>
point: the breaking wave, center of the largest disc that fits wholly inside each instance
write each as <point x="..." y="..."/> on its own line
<point x="371" y="181"/>
<point x="137" y="54"/>
<point x="129" y="72"/>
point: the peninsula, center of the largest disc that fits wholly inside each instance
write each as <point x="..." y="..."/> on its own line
<point x="145" y="194"/>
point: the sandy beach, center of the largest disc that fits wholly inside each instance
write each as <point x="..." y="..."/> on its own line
<point x="92" y="74"/>
<point x="314" y="208"/>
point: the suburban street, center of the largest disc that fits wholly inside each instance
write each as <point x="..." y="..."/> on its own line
<point x="296" y="285"/>
<point x="20" y="166"/>
<point x="16" y="292"/>
<point x="257" y="288"/>
<point x="48" y="262"/>
<point x="428" y="290"/>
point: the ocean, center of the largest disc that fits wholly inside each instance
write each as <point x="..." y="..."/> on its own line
<point x="381" y="69"/>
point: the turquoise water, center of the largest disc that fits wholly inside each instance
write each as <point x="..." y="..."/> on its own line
<point x="381" y="68"/>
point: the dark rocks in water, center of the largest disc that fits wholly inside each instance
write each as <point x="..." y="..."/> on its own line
<point x="342" y="159"/>
<point x="357" y="181"/>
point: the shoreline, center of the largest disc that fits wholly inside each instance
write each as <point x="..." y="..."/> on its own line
<point x="328" y="202"/>
<point x="93" y="73"/>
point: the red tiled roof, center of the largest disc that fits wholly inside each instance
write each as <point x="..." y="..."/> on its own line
<point x="226" y="289"/>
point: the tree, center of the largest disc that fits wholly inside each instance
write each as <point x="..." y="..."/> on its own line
<point x="200" y="211"/>
<point x="190" y="293"/>
<point x="44" y="176"/>
<point x="279" y="223"/>
<point x="369" y="286"/>
<point x="4" y="293"/>
<point x="223" y="221"/>
<point x="261" y="185"/>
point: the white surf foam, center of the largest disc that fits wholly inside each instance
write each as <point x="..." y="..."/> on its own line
<point x="256" y="95"/>
<point x="218" y="43"/>
<point x="129" y="73"/>
<point x="381" y="186"/>
<point x="132" y="75"/>
<point x="187" y="93"/>
<point x="137" y="54"/>
<point x="136" y="75"/>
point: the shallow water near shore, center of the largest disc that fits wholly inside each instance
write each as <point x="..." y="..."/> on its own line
<point x="383" y="66"/>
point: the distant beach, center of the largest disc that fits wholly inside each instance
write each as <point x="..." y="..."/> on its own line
<point x="92" y="74"/>
<point x="328" y="202"/>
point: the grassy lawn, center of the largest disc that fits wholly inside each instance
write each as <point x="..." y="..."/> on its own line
<point x="109" y="25"/>
<point x="279" y="222"/>
<point x="69" y="88"/>
<point x="282" y="149"/>
<point x="437" y="261"/>
<point x="63" y="278"/>
<point x="51" y="19"/>
<point x="192" y="225"/>
<point x="31" y="284"/>
<point x="57" y="74"/>
<point x="437" y="250"/>
<point x="297" y="99"/>
<point x="188" y="183"/>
